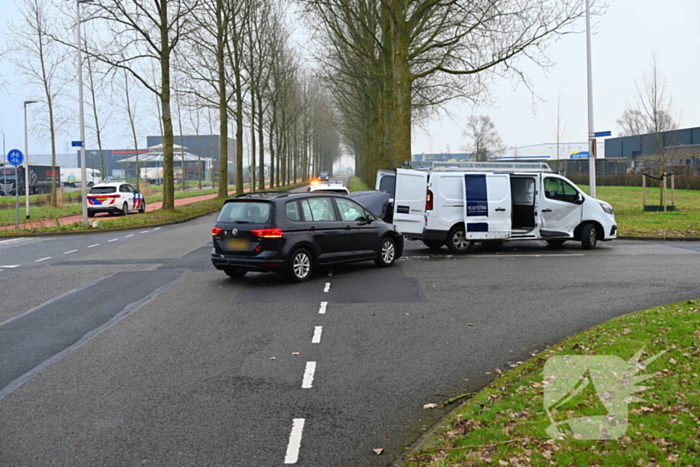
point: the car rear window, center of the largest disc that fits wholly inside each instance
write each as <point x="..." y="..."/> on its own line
<point x="250" y="212"/>
<point x="100" y="190"/>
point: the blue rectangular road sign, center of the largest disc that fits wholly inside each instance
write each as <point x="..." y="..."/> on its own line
<point x="77" y="144"/>
<point x="600" y="134"/>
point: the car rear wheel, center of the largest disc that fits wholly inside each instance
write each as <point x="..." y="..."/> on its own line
<point x="457" y="240"/>
<point x="235" y="273"/>
<point x="125" y="210"/>
<point x="142" y="208"/>
<point x="300" y="266"/>
<point x="589" y="236"/>
<point x="433" y="244"/>
<point x="387" y="253"/>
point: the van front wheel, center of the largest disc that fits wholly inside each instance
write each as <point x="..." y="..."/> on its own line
<point x="589" y="237"/>
<point x="457" y="240"/>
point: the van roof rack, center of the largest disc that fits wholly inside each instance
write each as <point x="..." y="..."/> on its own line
<point x="478" y="166"/>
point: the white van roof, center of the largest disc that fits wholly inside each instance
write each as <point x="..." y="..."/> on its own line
<point x="437" y="166"/>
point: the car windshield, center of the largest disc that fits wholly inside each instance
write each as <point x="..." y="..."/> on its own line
<point x="100" y="190"/>
<point x="245" y="212"/>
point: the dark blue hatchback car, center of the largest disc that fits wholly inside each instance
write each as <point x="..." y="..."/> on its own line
<point x="292" y="233"/>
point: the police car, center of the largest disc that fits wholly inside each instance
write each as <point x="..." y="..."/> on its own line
<point x="328" y="187"/>
<point x="115" y="198"/>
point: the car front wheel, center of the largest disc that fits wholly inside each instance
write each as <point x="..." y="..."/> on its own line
<point x="457" y="240"/>
<point x="387" y="253"/>
<point x="142" y="208"/>
<point x="300" y="266"/>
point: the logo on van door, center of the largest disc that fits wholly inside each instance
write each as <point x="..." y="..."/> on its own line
<point x="402" y="209"/>
<point x="477" y="199"/>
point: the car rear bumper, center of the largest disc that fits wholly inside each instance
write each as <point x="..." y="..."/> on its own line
<point x="222" y="261"/>
<point x="97" y="209"/>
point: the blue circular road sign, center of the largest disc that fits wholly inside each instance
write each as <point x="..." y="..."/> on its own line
<point x="15" y="157"/>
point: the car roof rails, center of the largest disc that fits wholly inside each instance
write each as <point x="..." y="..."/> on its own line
<point x="260" y="194"/>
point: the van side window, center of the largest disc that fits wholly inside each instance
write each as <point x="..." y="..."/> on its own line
<point x="556" y="188"/>
<point x="292" y="211"/>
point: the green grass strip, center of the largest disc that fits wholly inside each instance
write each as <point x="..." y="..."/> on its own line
<point x="505" y="423"/>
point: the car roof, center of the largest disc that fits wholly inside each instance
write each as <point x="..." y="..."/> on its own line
<point x="273" y="195"/>
<point x="96" y="185"/>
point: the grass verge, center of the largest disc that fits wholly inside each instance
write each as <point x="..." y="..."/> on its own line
<point x="356" y="184"/>
<point x="505" y="423"/>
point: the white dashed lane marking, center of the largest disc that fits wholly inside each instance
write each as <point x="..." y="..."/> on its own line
<point x="42" y="259"/>
<point x="294" y="441"/>
<point x="113" y="240"/>
<point x="93" y="246"/>
<point x="322" y="308"/>
<point x="145" y="231"/>
<point x="327" y="288"/>
<point x="317" y="335"/>
<point x="69" y="252"/>
<point x="9" y="266"/>
<point x="130" y="235"/>
<point x="308" y="381"/>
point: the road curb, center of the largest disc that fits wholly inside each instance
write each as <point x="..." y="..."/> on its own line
<point x="665" y="239"/>
<point x="93" y="231"/>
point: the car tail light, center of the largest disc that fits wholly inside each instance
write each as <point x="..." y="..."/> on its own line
<point x="216" y="231"/>
<point x="268" y="233"/>
<point x="429" y="201"/>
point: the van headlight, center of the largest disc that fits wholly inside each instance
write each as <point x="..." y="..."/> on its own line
<point x="606" y="207"/>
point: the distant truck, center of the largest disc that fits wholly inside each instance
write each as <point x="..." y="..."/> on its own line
<point x="40" y="178"/>
<point x="154" y="175"/>
<point x="72" y="177"/>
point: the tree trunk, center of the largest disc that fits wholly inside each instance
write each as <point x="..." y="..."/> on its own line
<point x="168" y="137"/>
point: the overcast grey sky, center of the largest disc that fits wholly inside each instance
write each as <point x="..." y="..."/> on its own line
<point x="624" y="40"/>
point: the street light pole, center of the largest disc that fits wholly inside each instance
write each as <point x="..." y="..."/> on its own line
<point x="81" y="112"/>
<point x="26" y="161"/>
<point x="591" y="130"/>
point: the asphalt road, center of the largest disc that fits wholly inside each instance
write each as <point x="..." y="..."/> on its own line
<point x="135" y="351"/>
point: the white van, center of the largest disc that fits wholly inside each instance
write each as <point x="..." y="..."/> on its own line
<point x="458" y="207"/>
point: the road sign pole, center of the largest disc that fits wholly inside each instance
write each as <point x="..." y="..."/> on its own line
<point x="591" y="149"/>
<point x="16" y="198"/>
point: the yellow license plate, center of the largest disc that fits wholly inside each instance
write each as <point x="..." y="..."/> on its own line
<point x="238" y="244"/>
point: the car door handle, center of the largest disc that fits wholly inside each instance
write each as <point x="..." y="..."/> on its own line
<point x="546" y="210"/>
<point x="500" y="209"/>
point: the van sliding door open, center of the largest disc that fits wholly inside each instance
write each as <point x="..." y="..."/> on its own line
<point x="409" y="201"/>
<point x="487" y="207"/>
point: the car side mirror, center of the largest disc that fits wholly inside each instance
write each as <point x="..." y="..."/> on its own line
<point x="579" y="199"/>
<point x="365" y="220"/>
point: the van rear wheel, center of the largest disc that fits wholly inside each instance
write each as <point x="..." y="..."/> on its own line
<point x="457" y="240"/>
<point x="555" y="243"/>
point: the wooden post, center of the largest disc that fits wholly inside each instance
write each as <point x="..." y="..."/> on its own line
<point x="673" y="189"/>
<point x="644" y="190"/>
<point x="664" y="188"/>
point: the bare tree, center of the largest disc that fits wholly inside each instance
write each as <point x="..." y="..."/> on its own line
<point x="559" y="133"/>
<point x="41" y="60"/>
<point x="651" y="117"/>
<point x="142" y="35"/>
<point x="486" y="143"/>
<point x="413" y="56"/>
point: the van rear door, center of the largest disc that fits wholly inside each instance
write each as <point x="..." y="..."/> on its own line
<point x="488" y="207"/>
<point x="409" y="201"/>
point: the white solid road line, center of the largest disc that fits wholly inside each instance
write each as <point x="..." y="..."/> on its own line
<point x="69" y="252"/>
<point x="308" y="381"/>
<point x="327" y="288"/>
<point x="113" y="240"/>
<point x="9" y="266"/>
<point x="322" y="308"/>
<point x="42" y="259"/>
<point x="294" y="441"/>
<point x="93" y="246"/>
<point x="317" y="335"/>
